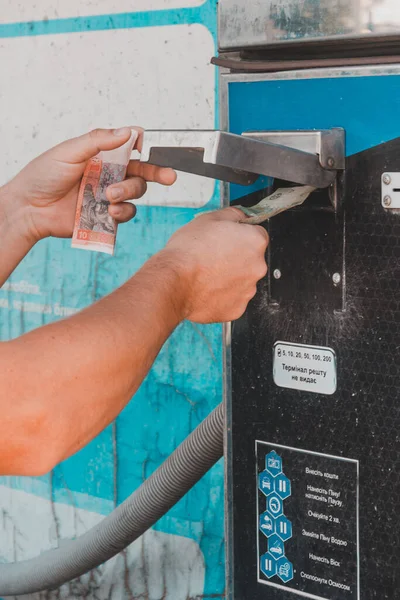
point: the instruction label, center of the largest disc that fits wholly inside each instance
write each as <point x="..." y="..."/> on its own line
<point x="306" y="368"/>
<point x="307" y="522"/>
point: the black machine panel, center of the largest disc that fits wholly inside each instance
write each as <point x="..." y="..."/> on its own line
<point x="315" y="477"/>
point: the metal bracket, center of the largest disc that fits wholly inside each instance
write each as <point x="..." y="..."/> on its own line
<point x="298" y="157"/>
<point x="391" y="190"/>
<point x="328" y="144"/>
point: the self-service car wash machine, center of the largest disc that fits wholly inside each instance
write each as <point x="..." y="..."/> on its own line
<point x="310" y="95"/>
<point x="313" y="393"/>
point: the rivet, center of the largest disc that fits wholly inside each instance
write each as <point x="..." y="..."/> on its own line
<point x="277" y="274"/>
<point x="336" y="278"/>
<point x="331" y="162"/>
<point x="387" y="201"/>
<point x="387" y="180"/>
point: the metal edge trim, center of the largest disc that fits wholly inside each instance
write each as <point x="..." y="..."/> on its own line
<point x="321" y="73"/>
<point x="227" y="383"/>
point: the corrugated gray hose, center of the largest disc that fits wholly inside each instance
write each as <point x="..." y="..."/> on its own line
<point x="175" y="477"/>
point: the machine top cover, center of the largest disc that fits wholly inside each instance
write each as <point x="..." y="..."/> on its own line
<point x="259" y="23"/>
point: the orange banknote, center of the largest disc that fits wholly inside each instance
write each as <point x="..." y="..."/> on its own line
<point x="94" y="228"/>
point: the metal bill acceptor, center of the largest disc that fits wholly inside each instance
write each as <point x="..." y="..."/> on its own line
<point x="310" y="94"/>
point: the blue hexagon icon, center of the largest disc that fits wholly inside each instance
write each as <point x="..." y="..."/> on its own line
<point x="266" y="483"/>
<point x="276" y="547"/>
<point x="267" y="524"/>
<point x="273" y="463"/>
<point x="283" y="486"/>
<point x="274" y="505"/>
<point x="283" y="528"/>
<point x="284" y="569"/>
<point x="268" y="565"/>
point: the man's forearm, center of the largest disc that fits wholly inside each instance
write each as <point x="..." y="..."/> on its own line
<point x="80" y="373"/>
<point x="14" y="241"/>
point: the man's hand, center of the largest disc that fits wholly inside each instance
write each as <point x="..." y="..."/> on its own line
<point x="220" y="261"/>
<point x="96" y="360"/>
<point x="44" y="194"/>
<point x="64" y="383"/>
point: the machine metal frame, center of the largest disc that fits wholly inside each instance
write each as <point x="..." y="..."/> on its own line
<point x="225" y="79"/>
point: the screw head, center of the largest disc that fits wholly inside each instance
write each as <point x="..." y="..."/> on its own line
<point x="336" y="278"/>
<point x="387" y="201"/>
<point x="331" y="162"/>
<point x="387" y="180"/>
<point x="277" y="274"/>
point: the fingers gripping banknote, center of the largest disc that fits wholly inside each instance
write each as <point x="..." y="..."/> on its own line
<point x="94" y="228"/>
<point x="281" y="200"/>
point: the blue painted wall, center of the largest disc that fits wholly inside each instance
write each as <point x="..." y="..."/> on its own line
<point x="182" y="388"/>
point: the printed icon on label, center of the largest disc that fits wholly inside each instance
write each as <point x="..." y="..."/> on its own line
<point x="266" y="483"/>
<point x="276" y="547"/>
<point x="268" y="565"/>
<point x="285" y="569"/>
<point x="267" y="524"/>
<point x="282" y="486"/>
<point x="274" y="505"/>
<point x="283" y="528"/>
<point x="276" y="527"/>
<point x="273" y="463"/>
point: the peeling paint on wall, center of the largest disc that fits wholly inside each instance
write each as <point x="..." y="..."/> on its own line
<point x="35" y="10"/>
<point x="127" y="75"/>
